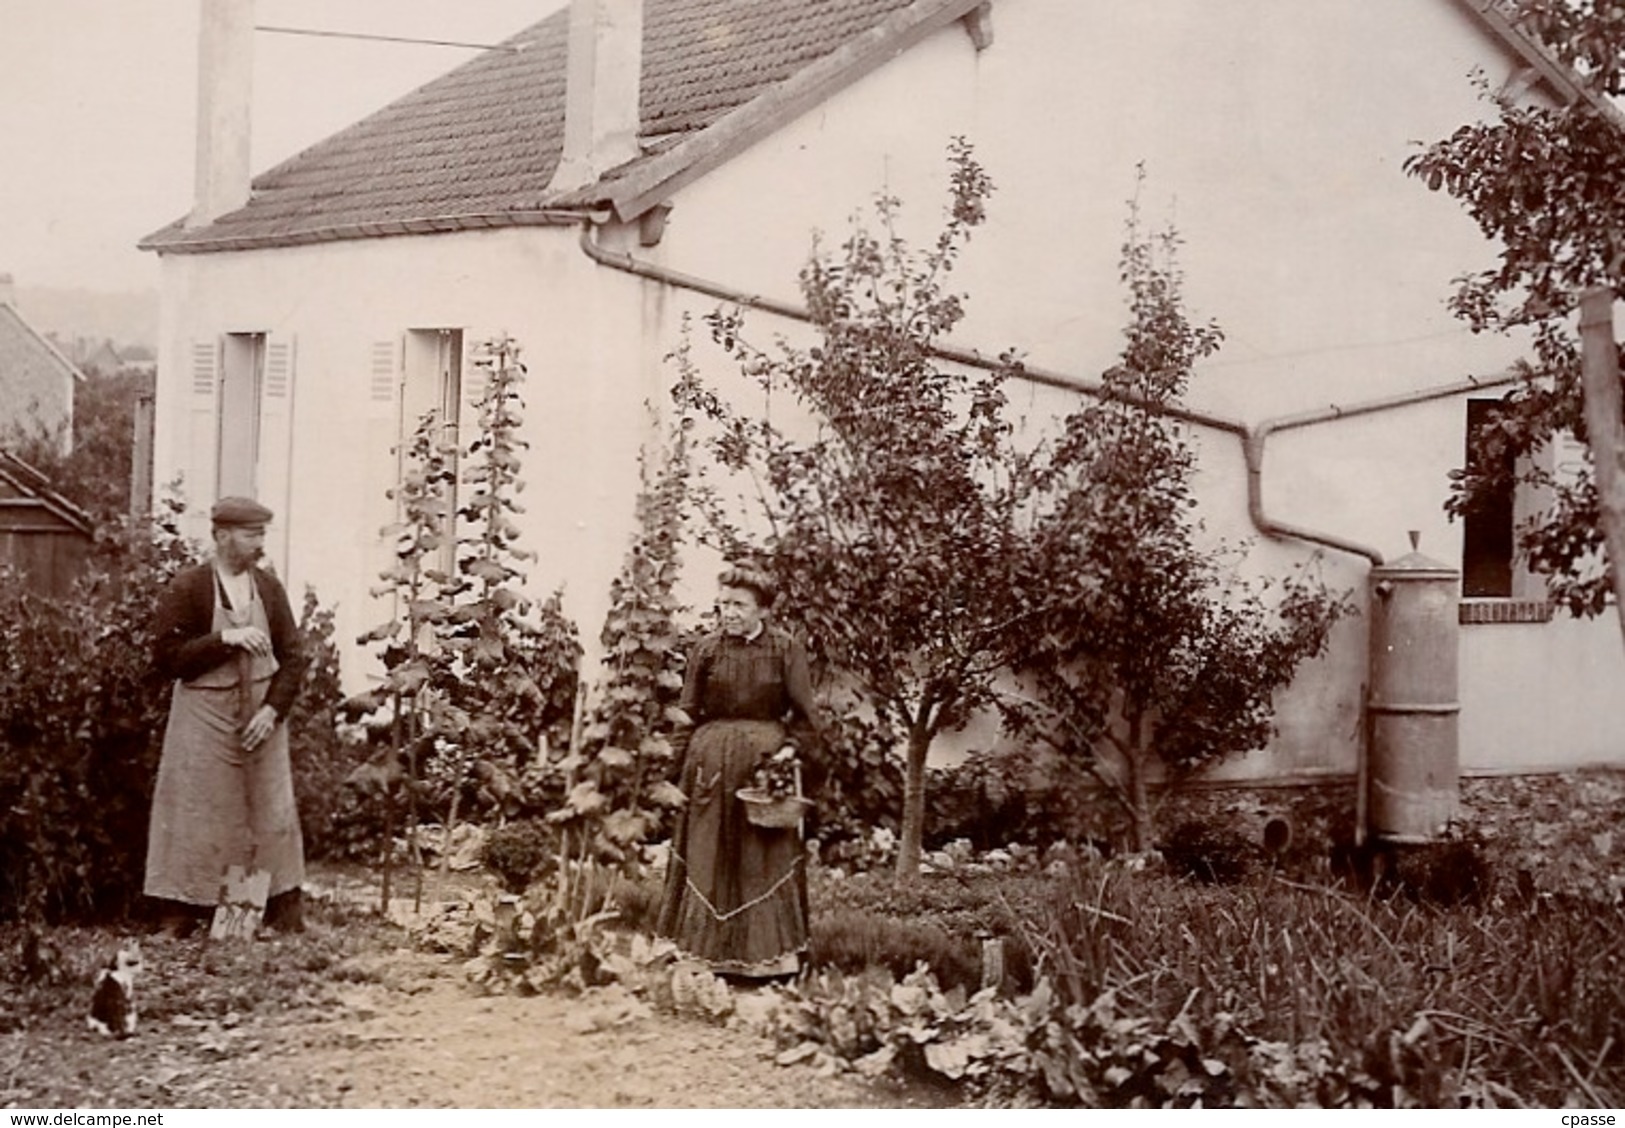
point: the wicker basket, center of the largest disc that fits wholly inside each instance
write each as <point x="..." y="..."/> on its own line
<point x="777" y="813"/>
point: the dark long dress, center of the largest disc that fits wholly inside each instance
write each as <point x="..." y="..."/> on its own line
<point x="736" y="894"/>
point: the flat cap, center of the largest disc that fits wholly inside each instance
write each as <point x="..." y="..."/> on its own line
<point x="235" y="511"/>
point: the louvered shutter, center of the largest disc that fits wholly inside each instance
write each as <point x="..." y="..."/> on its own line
<point x="382" y="415"/>
<point x="384" y="453"/>
<point x="202" y="435"/>
<point x="1570" y="458"/>
<point x="275" y="470"/>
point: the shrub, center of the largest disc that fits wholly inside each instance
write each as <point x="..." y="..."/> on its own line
<point x="518" y="852"/>
<point x="322" y="758"/>
<point x="858" y="783"/>
<point x="853" y="940"/>
<point x="81" y="725"/>
<point x="1209" y="853"/>
<point x="82" y="716"/>
<point x="1028" y="795"/>
<point x="939" y="921"/>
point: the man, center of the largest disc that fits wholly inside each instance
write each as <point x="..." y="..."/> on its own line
<point x="224" y="796"/>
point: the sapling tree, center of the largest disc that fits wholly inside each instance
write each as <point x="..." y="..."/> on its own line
<point x="1148" y="652"/>
<point x="1546" y="185"/>
<point x="894" y="526"/>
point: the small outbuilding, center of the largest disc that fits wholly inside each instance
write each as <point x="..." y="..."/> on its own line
<point x="43" y="535"/>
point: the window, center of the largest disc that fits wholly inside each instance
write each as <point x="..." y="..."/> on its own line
<point x="238" y="415"/>
<point x="1487" y="532"/>
<point x="434" y="382"/>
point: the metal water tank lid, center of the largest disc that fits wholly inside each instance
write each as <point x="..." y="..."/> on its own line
<point x="1414" y="565"/>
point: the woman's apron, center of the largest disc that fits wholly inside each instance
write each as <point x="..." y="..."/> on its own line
<point x="213" y="799"/>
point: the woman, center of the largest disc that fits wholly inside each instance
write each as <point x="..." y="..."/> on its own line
<point x="736" y="894"/>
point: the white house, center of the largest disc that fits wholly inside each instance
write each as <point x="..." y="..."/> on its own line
<point x="621" y="164"/>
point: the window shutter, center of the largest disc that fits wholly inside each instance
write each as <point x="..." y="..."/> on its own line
<point x="475" y="376"/>
<point x="381" y="412"/>
<point x="202" y="435"/>
<point x="383" y="416"/>
<point x="275" y="470"/>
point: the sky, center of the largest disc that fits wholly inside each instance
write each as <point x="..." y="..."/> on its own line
<point x="98" y="111"/>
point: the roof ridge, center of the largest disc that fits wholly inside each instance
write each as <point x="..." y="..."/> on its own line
<point x="41" y="339"/>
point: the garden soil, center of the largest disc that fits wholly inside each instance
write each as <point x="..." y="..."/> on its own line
<point x="394" y="1028"/>
<point x="350" y="1015"/>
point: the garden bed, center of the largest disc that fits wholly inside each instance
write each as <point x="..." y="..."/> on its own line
<point x="1277" y="989"/>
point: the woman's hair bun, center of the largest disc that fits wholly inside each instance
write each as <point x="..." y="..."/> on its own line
<point x="751" y="579"/>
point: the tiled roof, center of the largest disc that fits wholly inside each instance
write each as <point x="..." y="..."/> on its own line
<point x="484" y="139"/>
<point x="478" y="146"/>
<point x="20" y="481"/>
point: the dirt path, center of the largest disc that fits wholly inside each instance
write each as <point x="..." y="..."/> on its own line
<point x="346" y="1017"/>
<point x="421" y="1038"/>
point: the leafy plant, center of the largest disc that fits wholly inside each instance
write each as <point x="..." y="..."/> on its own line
<point x="779" y="775"/>
<point x="477" y="679"/>
<point x="1156" y="991"/>
<point x="322" y="756"/>
<point x="517" y="852"/>
<point x="623" y="776"/>
<point x="859" y="781"/>
<point x="411" y="659"/>
<point x="81" y="726"/>
<point x="1543" y="183"/>
<point x="492" y="714"/>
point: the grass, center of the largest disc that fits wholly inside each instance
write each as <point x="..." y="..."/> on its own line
<point x="1520" y="1002"/>
<point x="1441" y="991"/>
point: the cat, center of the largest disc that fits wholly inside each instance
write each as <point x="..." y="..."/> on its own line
<point x="112" y="1006"/>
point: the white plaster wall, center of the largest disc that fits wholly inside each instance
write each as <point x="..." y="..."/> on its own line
<point x="585" y="422"/>
<point x="1272" y="132"/>
<point x="1542" y="695"/>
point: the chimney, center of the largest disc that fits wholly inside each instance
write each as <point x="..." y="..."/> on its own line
<point x="8" y="291"/>
<point x="601" y="90"/>
<point x="224" y="93"/>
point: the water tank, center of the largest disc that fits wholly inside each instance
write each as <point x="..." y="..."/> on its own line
<point x="1413" y="767"/>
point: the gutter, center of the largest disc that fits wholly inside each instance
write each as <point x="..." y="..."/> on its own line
<point x="1254" y="437"/>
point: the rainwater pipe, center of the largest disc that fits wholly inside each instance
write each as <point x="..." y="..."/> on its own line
<point x="1253" y="437"/>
